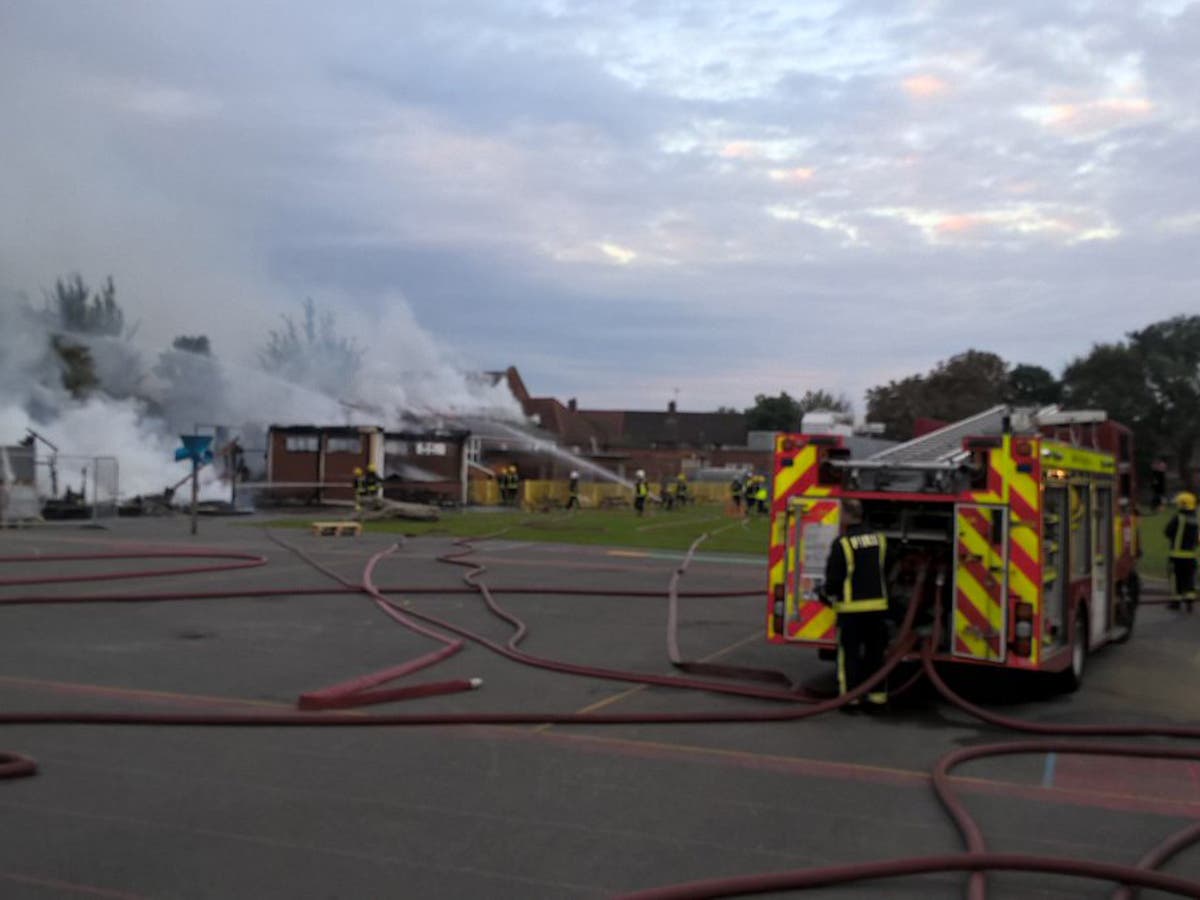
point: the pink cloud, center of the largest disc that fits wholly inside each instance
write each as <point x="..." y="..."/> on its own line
<point x="924" y="86"/>
<point x="795" y="175"/>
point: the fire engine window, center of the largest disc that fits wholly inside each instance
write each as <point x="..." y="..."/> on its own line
<point x="344" y="445"/>
<point x="302" y="443"/>
<point x="1081" y="532"/>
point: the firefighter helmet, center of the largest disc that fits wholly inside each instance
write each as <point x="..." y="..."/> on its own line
<point x="1185" y="500"/>
<point x="641" y="473"/>
<point x="358" y="470"/>
<point x="371" y="469"/>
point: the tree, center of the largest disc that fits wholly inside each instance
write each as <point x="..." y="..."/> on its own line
<point x="965" y="384"/>
<point x="193" y="388"/>
<point x="897" y="405"/>
<point x="822" y="399"/>
<point x="1029" y="384"/>
<point x="100" y="315"/>
<point x="1169" y="352"/>
<point x="313" y="355"/>
<point x="1150" y="383"/>
<point x="198" y="344"/>
<point x="76" y="365"/>
<point x="780" y="413"/>
<point x="1110" y="378"/>
<point x="954" y="389"/>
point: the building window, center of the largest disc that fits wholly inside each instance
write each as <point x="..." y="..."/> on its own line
<point x="474" y="450"/>
<point x="430" y="448"/>
<point x="302" y="443"/>
<point x="344" y="445"/>
<point x="395" y="448"/>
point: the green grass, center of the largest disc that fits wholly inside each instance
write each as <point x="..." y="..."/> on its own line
<point x="659" y="530"/>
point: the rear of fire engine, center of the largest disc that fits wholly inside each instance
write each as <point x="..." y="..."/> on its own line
<point x="1023" y="522"/>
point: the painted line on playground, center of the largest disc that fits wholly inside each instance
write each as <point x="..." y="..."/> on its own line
<point x="698" y="557"/>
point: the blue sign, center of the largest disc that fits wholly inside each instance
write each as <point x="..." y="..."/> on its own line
<point x="196" y="448"/>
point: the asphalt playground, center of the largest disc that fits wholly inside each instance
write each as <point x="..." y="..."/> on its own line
<point x="525" y="811"/>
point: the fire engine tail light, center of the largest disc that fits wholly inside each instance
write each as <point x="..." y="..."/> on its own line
<point x="1022" y="644"/>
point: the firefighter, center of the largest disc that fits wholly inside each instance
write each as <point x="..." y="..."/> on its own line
<point x="666" y="493"/>
<point x="514" y="486"/>
<point x="681" y="490"/>
<point x="372" y="486"/>
<point x="760" y="495"/>
<point x="359" y="484"/>
<point x="735" y="494"/>
<point x="573" y="491"/>
<point x="856" y="588"/>
<point x="641" y="490"/>
<point x="1182" y="532"/>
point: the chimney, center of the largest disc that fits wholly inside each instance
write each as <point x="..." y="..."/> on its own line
<point x="671" y="406"/>
<point x="572" y="406"/>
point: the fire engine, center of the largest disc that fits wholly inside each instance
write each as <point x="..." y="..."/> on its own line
<point x="1023" y="521"/>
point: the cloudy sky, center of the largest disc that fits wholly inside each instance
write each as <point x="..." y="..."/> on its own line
<point x="623" y="198"/>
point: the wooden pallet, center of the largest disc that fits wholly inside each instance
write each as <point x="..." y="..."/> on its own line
<point x="327" y="529"/>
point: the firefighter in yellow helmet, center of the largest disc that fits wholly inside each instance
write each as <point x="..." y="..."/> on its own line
<point x="1183" y="533"/>
<point x="681" y="490"/>
<point x="856" y="587"/>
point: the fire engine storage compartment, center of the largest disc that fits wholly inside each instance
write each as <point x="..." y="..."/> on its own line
<point x="920" y="535"/>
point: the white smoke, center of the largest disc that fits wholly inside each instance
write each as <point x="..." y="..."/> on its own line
<point x="148" y="397"/>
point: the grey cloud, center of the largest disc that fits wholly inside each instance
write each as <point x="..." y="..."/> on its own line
<point x="475" y="158"/>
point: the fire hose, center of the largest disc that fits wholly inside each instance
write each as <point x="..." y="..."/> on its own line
<point x="366" y="689"/>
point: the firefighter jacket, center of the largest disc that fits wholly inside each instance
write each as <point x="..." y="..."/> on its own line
<point x="370" y="484"/>
<point x="735" y="488"/>
<point x="855" y="579"/>
<point x="641" y="489"/>
<point x="1183" y="533"/>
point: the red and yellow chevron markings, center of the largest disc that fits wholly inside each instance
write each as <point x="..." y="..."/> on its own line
<point x="796" y="503"/>
<point x="979" y="613"/>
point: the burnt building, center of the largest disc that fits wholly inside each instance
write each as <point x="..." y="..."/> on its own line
<point x="316" y="463"/>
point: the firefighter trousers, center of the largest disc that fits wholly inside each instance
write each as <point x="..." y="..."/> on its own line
<point x="1183" y="581"/>
<point x="862" y="641"/>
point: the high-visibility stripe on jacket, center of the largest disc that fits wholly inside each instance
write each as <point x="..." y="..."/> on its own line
<point x="642" y="488"/>
<point x="1183" y="532"/>
<point x="855" y="579"/>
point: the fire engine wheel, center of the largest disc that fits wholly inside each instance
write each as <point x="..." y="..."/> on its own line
<point x="1071" y="678"/>
<point x="1129" y="592"/>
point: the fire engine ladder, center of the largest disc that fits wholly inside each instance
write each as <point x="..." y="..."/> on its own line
<point x="941" y="448"/>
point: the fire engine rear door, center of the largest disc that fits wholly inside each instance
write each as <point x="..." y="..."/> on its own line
<point x="814" y="530"/>
<point x="980" y="582"/>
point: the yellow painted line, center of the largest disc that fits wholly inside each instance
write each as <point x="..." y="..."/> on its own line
<point x="826" y="765"/>
<point x="135" y="693"/>
<point x="629" y="692"/>
<point x="634" y="553"/>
